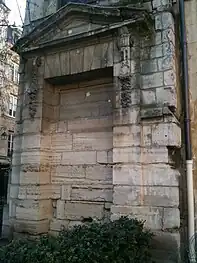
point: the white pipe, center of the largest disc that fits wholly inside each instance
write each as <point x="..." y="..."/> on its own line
<point x="190" y="201"/>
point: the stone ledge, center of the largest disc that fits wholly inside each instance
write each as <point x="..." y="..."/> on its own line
<point x="155" y="111"/>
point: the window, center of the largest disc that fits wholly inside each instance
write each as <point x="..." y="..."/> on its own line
<point x="2" y="73"/>
<point x="14" y="73"/>
<point x="10" y="143"/>
<point x="12" y="105"/>
<point x="13" y="35"/>
<point x="3" y="34"/>
<point x="9" y="35"/>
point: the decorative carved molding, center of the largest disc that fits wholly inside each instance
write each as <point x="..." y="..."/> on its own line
<point x="125" y="44"/>
<point x="99" y="19"/>
<point x="33" y="88"/>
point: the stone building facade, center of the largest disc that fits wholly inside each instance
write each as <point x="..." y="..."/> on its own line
<point x="98" y="119"/>
<point x="9" y="81"/>
<point x="9" y="95"/>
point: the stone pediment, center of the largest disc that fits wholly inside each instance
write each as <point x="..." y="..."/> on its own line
<point x="70" y="27"/>
<point x="75" y="21"/>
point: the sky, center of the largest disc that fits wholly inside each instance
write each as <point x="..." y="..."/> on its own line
<point x="14" y="14"/>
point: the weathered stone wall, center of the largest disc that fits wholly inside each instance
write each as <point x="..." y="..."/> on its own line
<point x="146" y="181"/>
<point x="39" y="152"/>
<point x="81" y="143"/>
<point x="67" y="139"/>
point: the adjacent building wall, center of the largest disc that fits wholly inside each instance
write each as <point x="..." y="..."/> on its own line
<point x="9" y="81"/>
<point x="37" y="9"/>
<point x="191" y="24"/>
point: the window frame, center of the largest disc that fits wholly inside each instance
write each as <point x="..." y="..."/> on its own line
<point x="10" y="144"/>
<point x="12" y="105"/>
<point x="14" y="68"/>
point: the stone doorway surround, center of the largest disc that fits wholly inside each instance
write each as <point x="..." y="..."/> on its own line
<point x="80" y="142"/>
<point x="75" y="42"/>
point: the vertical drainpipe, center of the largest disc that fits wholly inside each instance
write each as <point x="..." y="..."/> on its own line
<point x="187" y="125"/>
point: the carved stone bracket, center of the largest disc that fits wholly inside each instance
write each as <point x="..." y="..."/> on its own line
<point x="33" y="88"/>
<point x="124" y="45"/>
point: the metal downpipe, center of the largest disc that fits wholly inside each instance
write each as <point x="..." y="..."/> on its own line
<point x="187" y="125"/>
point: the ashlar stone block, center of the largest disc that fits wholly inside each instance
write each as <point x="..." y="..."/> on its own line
<point x="31" y="227"/>
<point x="13" y="191"/>
<point x="92" y="141"/>
<point x="126" y="116"/>
<point x="34" y="177"/>
<point x="78" y="210"/>
<point x="151" y="215"/>
<point x="91" y="194"/>
<point x="168" y="134"/>
<point x="146" y="155"/>
<point x="99" y="172"/>
<point x="168" y="35"/>
<point x="146" y="136"/>
<point x="60" y="209"/>
<point x="35" y="192"/>
<point x="31" y="141"/>
<point x="149" y="66"/>
<point x="33" y="210"/>
<point x="89" y="124"/>
<point x="167" y="196"/>
<point x="126" y="155"/>
<point x="127" y="136"/>
<point x="58" y="225"/>
<point x="34" y="157"/>
<point x="167" y="20"/>
<point x="169" y="78"/>
<point x="156" y="51"/>
<point x="146" y="195"/>
<point x="61" y="142"/>
<point x="104" y="157"/>
<point x="12" y="209"/>
<point x="77" y="158"/>
<point x="171" y="218"/>
<point x="155" y="154"/>
<point x="68" y="171"/>
<point x="147" y="175"/>
<point x="148" y="96"/>
<point x="165" y="63"/>
<point x="66" y="192"/>
<point x="166" y="96"/>
<point x="152" y="80"/>
<point x="161" y="5"/>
